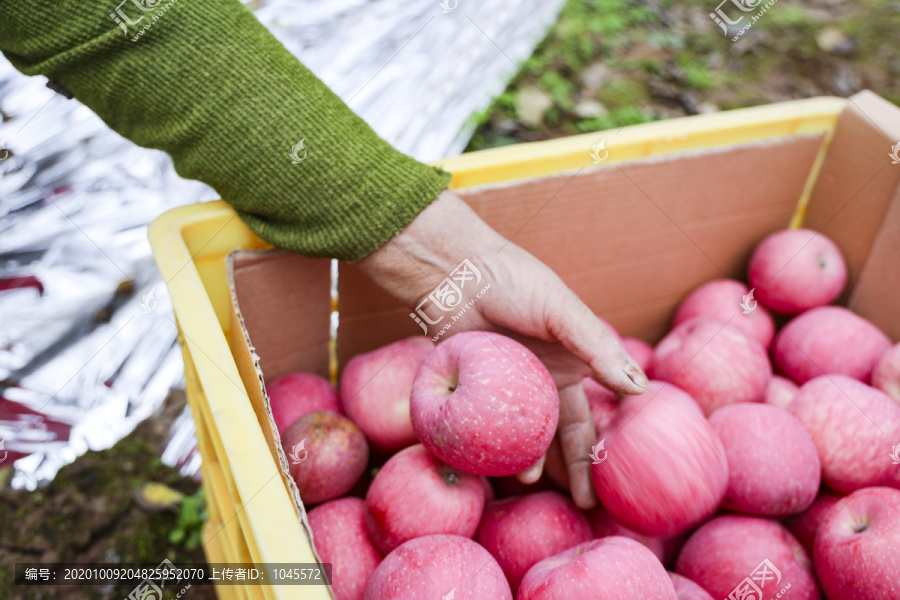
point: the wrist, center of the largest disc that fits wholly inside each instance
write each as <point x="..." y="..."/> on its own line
<point x="431" y="247"/>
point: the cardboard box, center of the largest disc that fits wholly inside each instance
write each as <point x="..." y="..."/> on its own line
<point x="675" y="204"/>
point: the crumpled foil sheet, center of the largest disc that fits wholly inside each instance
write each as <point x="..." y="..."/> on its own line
<point x="87" y="337"/>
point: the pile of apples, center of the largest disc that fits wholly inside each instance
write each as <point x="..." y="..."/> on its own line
<point x="744" y="484"/>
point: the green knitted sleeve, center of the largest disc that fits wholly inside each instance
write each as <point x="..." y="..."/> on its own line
<point x="206" y="82"/>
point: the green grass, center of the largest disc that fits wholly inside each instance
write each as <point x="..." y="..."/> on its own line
<point x="189" y="525"/>
<point x="668" y="61"/>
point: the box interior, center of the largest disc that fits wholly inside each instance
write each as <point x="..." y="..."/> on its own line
<point x="631" y="239"/>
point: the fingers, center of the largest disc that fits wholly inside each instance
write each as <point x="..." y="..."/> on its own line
<point x="585" y="336"/>
<point x="576" y="435"/>
<point x="532" y="473"/>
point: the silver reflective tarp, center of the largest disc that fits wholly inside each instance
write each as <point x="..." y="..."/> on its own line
<point x="87" y="336"/>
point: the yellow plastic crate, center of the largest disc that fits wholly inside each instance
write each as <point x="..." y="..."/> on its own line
<point x="251" y="516"/>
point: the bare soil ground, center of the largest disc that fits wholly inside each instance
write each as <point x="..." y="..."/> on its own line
<point x="89" y="513"/>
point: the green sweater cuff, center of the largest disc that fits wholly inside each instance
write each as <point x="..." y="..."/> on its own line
<point x="206" y="82"/>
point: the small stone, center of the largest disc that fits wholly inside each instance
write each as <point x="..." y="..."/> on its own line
<point x="532" y="103"/>
<point x="507" y="126"/>
<point x="595" y="76"/>
<point x="588" y="109"/>
<point x="835" y="41"/>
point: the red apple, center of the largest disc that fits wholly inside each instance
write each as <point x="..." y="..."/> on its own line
<point x="639" y="350"/>
<point x="686" y="589"/>
<point x="829" y="339"/>
<point x="724" y="301"/>
<point x="375" y="391"/>
<point x="484" y="403"/>
<point x="664" y="469"/>
<point x="780" y="391"/>
<point x="327" y="455"/>
<point x="602" y="402"/>
<point x="610" y="568"/>
<point x="886" y="376"/>
<point x="603" y="525"/>
<point x="716" y="364"/>
<point x="297" y="394"/>
<point x="857" y="552"/>
<point x="766" y="478"/>
<point x="415" y="494"/>
<point x="796" y="269"/>
<point x="438" y="566"/>
<point x="340" y="537"/>
<point x="733" y="554"/>
<point x="853" y="427"/>
<point x="519" y="532"/>
<point x="805" y="525"/>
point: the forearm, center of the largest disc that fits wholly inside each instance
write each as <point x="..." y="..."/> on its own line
<point x="208" y="84"/>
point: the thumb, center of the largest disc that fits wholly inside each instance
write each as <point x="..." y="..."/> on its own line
<point x="576" y="434"/>
<point x="570" y="321"/>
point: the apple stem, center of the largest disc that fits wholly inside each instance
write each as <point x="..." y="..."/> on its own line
<point x="452" y="382"/>
<point x="450" y="478"/>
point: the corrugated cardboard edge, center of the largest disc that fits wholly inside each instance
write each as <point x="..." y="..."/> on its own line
<point x="856" y="203"/>
<point x="879" y="277"/>
<point x="641" y="160"/>
<point x="245" y="356"/>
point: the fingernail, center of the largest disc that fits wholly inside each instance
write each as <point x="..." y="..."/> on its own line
<point x="636" y="375"/>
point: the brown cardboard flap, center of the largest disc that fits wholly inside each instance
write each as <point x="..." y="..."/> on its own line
<point x="851" y="198"/>
<point x="877" y="289"/>
<point x="631" y="240"/>
<point x="285" y="303"/>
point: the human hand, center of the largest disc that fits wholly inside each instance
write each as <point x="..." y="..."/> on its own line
<point x="526" y="301"/>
